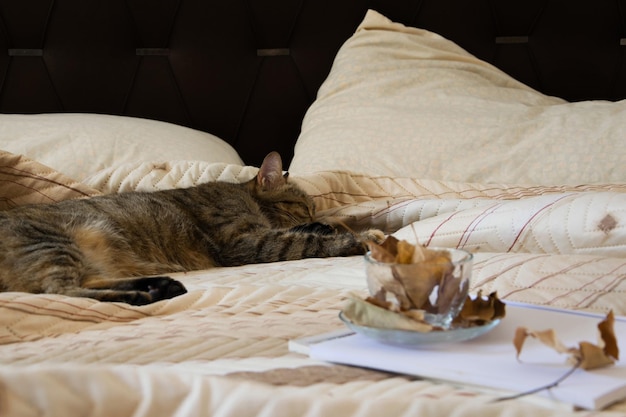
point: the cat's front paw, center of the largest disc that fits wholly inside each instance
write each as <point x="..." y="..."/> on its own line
<point x="373" y="235"/>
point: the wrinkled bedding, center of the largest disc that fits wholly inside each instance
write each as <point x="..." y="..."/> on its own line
<point x="221" y="349"/>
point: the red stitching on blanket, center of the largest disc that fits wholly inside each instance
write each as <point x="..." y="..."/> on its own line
<point x="606" y="289"/>
<point x="510" y="267"/>
<point x="432" y="235"/>
<point x="37" y="191"/>
<point x="546" y="277"/>
<point x="532" y="218"/>
<point x="386" y="211"/>
<point x="93" y="316"/>
<point x="477" y="220"/>
<point x="46" y="179"/>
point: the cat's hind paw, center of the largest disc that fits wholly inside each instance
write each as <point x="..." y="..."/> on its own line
<point x="135" y="291"/>
<point x="162" y="288"/>
<point x="147" y="290"/>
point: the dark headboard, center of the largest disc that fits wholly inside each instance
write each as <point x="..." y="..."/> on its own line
<point x="246" y="70"/>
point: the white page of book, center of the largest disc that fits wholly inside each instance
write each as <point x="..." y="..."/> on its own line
<point x="490" y="360"/>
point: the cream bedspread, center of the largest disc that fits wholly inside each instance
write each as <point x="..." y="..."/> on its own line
<point x="221" y="349"/>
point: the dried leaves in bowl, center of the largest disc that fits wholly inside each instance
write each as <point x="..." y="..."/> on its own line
<point x="480" y="310"/>
<point x="372" y="314"/>
<point x="426" y="286"/>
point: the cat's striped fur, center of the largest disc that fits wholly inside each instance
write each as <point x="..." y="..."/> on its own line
<point x="93" y="247"/>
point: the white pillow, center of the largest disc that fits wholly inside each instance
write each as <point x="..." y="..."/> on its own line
<point x="402" y="101"/>
<point x="79" y="145"/>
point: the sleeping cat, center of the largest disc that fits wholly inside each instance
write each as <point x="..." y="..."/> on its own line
<point x="94" y="247"/>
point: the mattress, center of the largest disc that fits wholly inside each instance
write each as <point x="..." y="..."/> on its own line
<point x="222" y="348"/>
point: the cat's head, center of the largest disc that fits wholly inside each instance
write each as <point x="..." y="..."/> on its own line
<point x="284" y="203"/>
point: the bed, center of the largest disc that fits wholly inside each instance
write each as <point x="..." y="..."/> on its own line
<point x="497" y="127"/>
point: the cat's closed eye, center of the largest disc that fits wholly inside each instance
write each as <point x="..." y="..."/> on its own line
<point x="295" y="212"/>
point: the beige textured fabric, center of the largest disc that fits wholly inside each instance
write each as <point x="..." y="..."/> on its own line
<point x="81" y="144"/>
<point x="405" y="102"/>
<point x="24" y="181"/>
<point x="391" y="203"/>
<point x="221" y="349"/>
<point x="151" y="176"/>
<point x="171" y="362"/>
<point x="97" y="391"/>
<point x="305" y="295"/>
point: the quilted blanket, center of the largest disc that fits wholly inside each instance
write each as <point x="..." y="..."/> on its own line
<point x="221" y="349"/>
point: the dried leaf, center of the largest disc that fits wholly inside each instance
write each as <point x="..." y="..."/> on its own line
<point x="390" y="244"/>
<point x="411" y="282"/>
<point x="414" y="314"/>
<point x="587" y="355"/>
<point x="364" y="313"/>
<point x="518" y="340"/>
<point x="384" y="287"/>
<point x="420" y="253"/>
<point x="393" y="250"/>
<point x="449" y="289"/>
<point x="381" y="253"/>
<point x="380" y="303"/>
<point x="418" y="281"/>
<point x="404" y="254"/>
<point x="593" y="356"/>
<point x="480" y="310"/>
<point x="607" y="335"/>
<point x="547" y="337"/>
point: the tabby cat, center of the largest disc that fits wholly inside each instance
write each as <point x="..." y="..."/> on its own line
<point x="111" y="247"/>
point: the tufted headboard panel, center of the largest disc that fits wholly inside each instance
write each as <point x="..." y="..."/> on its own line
<point x="246" y="70"/>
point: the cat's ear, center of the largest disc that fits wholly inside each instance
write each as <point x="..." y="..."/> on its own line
<point x="270" y="174"/>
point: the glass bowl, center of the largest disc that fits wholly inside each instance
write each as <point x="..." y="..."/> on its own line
<point x="438" y="286"/>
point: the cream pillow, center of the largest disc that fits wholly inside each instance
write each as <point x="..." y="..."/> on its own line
<point x="402" y="101"/>
<point x="79" y="145"/>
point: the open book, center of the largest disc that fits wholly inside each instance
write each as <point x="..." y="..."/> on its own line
<point x="490" y="360"/>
